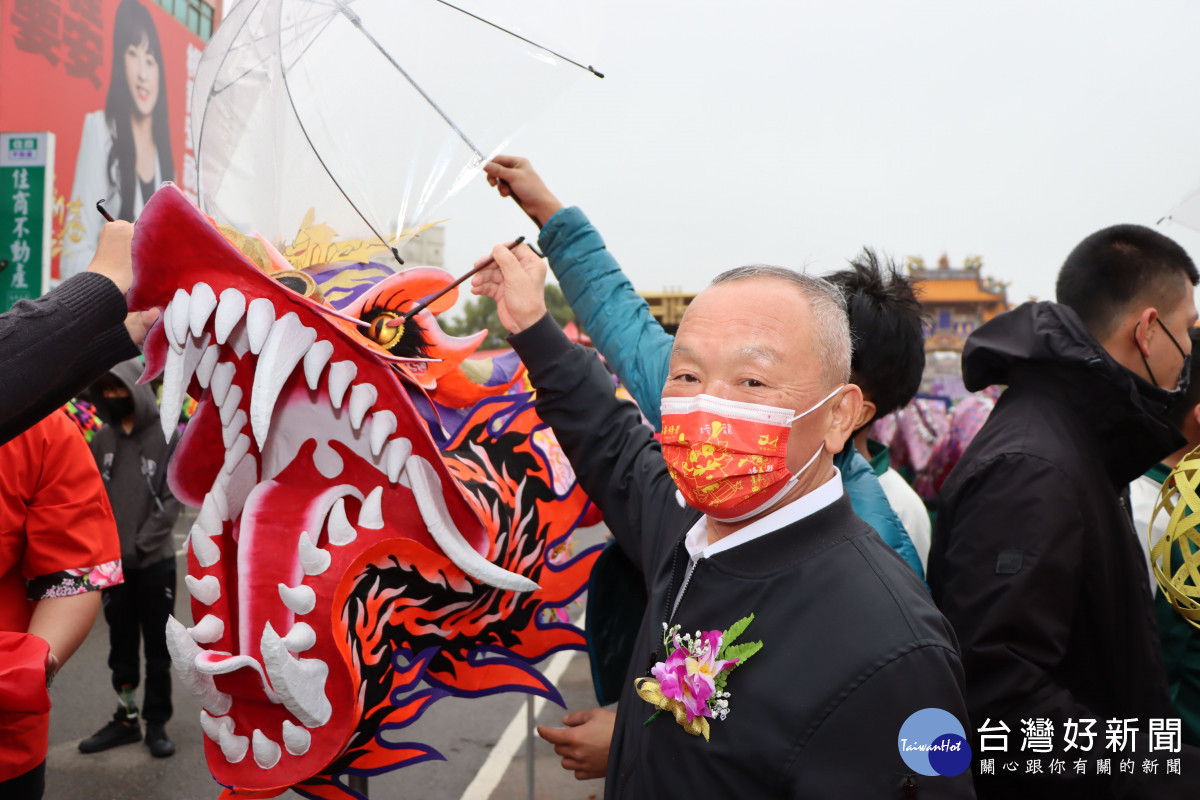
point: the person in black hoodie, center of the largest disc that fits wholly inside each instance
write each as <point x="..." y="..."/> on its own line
<point x="132" y="456"/>
<point x="1034" y="559"/>
<point x="852" y="646"/>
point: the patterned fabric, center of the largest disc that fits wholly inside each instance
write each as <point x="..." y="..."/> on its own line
<point x="966" y="419"/>
<point x="84" y="415"/>
<point x="67" y="582"/>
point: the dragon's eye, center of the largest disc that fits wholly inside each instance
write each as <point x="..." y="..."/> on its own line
<point x="380" y="332"/>
<point x="299" y="282"/>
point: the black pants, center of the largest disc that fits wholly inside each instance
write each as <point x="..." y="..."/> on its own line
<point x="29" y="786"/>
<point x="140" y="606"/>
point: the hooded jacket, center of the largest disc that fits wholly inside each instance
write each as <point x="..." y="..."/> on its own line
<point x="1034" y="558"/>
<point x="134" y="469"/>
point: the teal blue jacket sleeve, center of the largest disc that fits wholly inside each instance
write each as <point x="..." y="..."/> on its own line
<point x="615" y="316"/>
<point x="639" y="351"/>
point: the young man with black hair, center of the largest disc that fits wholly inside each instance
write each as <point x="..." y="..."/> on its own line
<point x="1034" y="557"/>
<point x="1180" y="639"/>
<point x="887" y="363"/>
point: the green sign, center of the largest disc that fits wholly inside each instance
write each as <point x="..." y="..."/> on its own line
<point x="26" y="198"/>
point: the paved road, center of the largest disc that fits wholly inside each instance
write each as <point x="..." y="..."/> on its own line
<point x="465" y="731"/>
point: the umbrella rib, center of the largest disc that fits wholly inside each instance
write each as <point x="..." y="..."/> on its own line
<point x="357" y="22"/>
<point x="555" y="53"/>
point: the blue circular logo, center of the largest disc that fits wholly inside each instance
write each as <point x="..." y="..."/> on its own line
<point x="933" y="742"/>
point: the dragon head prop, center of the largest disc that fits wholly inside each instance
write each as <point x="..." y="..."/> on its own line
<point x="354" y="559"/>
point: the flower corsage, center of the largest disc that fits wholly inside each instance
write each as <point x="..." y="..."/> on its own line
<point x="690" y="684"/>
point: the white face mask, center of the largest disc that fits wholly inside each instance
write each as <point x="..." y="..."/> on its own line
<point x="719" y="469"/>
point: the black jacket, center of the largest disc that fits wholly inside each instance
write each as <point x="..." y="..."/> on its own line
<point x="852" y="645"/>
<point x="134" y="469"/>
<point x="1034" y="558"/>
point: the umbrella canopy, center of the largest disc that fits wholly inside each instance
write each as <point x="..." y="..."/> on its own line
<point x="365" y="116"/>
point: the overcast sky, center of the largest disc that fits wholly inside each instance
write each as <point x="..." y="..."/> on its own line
<point x="795" y="132"/>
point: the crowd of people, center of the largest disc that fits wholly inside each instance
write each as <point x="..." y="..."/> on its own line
<point x="775" y="606"/>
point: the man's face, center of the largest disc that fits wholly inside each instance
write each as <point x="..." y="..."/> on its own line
<point x="1165" y="359"/>
<point x="751" y="340"/>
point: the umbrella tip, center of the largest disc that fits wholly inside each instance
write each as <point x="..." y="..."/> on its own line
<point x="396" y="255"/>
<point x="594" y="71"/>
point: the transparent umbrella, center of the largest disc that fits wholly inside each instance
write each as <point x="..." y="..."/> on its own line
<point x="365" y="116"/>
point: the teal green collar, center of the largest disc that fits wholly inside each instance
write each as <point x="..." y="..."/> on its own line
<point x="1158" y="473"/>
<point x="880" y="461"/>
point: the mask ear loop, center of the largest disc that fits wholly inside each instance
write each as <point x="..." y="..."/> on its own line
<point x="818" y="405"/>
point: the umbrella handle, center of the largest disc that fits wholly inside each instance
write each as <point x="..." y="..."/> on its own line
<point x="520" y="205"/>
<point x="419" y="307"/>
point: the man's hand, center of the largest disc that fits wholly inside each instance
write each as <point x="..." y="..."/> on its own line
<point x="138" y="324"/>
<point x="515" y="178"/>
<point x="517" y="282"/>
<point x="584" y="743"/>
<point x="113" y="258"/>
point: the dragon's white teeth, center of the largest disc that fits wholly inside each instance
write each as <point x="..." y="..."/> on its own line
<point x="208" y="630"/>
<point x="383" y="425"/>
<point x="222" y="379"/>
<point x="232" y="401"/>
<point x="314" y="362"/>
<point x="217" y="493"/>
<point x="200" y="307"/>
<point x="212" y="725"/>
<point x="233" y="747"/>
<point x="206" y="590"/>
<point x="229" y="314"/>
<point x="300" y="638"/>
<point x="300" y="599"/>
<point x="371" y="514"/>
<point x="168" y="323"/>
<point x="427" y="490"/>
<point x="313" y="560"/>
<point x="298" y="682"/>
<point x="296" y="739"/>
<point x="362" y="397"/>
<point x="203" y="548"/>
<point x="208" y="362"/>
<point x="286" y="343"/>
<point x="237" y="424"/>
<point x="398" y="451"/>
<point x="340" y="375"/>
<point x="266" y="752"/>
<point x="210" y="518"/>
<point x="233" y="457"/>
<point x="179" y="315"/>
<point x="260" y="316"/>
<point x="183" y="656"/>
<point x="177" y="374"/>
<point x="340" y="531"/>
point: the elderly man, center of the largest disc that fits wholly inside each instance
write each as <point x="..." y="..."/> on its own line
<point x="740" y="515"/>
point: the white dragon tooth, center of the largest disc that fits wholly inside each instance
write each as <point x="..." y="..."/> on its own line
<point x="210" y="518"/>
<point x="298" y="683"/>
<point x="203" y="548"/>
<point x="398" y="451"/>
<point x="300" y="638"/>
<point x="362" y="397"/>
<point x="314" y="362"/>
<point x="370" y="516"/>
<point x="427" y="490"/>
<point x="232" y="401"/>
<point x="222" y="379"/>
<point x="233" y="747"/>
<point x="383" y="425"/>
<point x="296" y="738"/>
<point x="266" y="752"/>
<point x="286" y="343"/>
<point x="200" y="307"/>
<point x="260" y="316"/>
<point x="233" y="457"/>
<point x="217" y="493"/>
<point x="212" y="725"/>
<point x="208" y="362"/>
<point x="313" y="560"/>
<point x="177" y="374"/>
<point x="341" y="373"/>
<point x="168" y="324"/>
<point x="179" y="315"/>
<point x="300" y="599"/>
<point x="229" y="314"/>
<point x="208" y="630"/>
<point x="206" y="590"/>
<point x="183" y="651"/>
<point x="229" y="433"/>
<point x="341" y="532"/>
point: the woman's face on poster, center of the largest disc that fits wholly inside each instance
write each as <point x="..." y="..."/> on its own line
<point x="141" y="71"/>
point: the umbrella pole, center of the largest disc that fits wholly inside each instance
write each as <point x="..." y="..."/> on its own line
<point x="358" y="783"/>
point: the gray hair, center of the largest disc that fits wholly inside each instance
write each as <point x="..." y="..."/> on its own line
<point x="831" y="324"/>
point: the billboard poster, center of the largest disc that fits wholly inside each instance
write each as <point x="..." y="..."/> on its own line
<point x="112" y="80"/>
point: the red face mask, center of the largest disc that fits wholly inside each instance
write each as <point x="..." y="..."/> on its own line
<point x="729" y="459"/>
